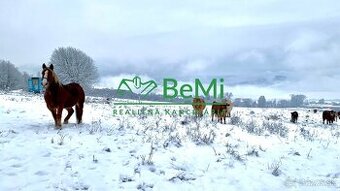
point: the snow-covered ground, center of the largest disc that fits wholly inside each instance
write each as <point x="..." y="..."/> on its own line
<point x="258" y="149"/>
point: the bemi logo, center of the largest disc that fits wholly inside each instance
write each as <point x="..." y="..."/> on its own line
<point x="137" y="86"/>
<point x="186" y="90"/>
<point x="170" y="89"/>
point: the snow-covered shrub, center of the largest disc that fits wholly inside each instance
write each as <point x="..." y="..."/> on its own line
<point x="276" y="128"/>
<point x="231" y="150"/>
<point x="201" y="135"/>
<point x="236" y="120"/>
<point x="275" y="168"/>
<point x="306" y="134"/>
<point x="143" y="186"/>
<point x="182" y="176"/>
<point x="173" y="140"/>
<point x="95" y="127"/>
<point x="147" y="160"/>
<point x="186" y="121"/>
<point x="253" y="152"/>
<point x="236" y="155"/>
<point x="61" y="138"/>
<point x="273" y="117"/>
<point x="125" y="124"/>
<point x="336" y="135"/>
<point x="251" y="127"/>
<point x="125" y="178"/>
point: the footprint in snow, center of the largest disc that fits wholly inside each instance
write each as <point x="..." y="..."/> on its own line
<point x="47" y="154"/>
<point x="16" y="165"/>
<point x="11" y="174"/>
<point x="41" y="173"/>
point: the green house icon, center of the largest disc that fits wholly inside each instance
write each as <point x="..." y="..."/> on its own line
<point x="137" y="86"/>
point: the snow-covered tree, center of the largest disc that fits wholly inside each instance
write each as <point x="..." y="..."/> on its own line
<point x="228" y="95"/>
<point x="321" y="101"/>
<point x="297" y="100"/>
<point x="262" y="102"/>
<point x="25" y="77"/>
<point x="10" y="77"/>
<point x="73" y="65"/>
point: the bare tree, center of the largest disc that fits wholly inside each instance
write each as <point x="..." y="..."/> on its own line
<point x="73" y="65"/>
<point x="228" y="95"/>
<point x="10" y="77"/>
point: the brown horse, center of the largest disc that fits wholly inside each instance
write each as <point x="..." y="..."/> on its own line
<point x="58" y="96"/>
<point x="198" y="104"/>
<point x="328" y="116"/>
<point x="221" y="110"/>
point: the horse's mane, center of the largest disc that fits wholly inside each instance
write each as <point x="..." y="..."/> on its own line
<point x="55" y="77"/>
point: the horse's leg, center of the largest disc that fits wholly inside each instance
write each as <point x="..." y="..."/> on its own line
<point x="54" y="116"/>
<point x="79" y="111"/>
<point x="59" y="112"/>
<point x="69" y="114"/>
<point x="224" y="115"/>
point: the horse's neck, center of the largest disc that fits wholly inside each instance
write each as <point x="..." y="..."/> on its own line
<point x="55" y="88"/>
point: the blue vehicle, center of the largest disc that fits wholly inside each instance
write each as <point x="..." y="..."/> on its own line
<point x="34" y="85"/>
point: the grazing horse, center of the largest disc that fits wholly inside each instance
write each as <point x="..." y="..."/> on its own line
<point x="199" y="105"/>
<point x="220" y="110"/>
<point x="58" y="96"/>
<point x="229" y="107"/>
<point x="294" y="116"/>
<point x="328" y="116"/>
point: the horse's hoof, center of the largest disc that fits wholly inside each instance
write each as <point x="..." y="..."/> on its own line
<point x="58" y="126"/>
<point x="65" y="122"/>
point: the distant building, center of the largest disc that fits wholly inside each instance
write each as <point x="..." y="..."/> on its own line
<point x="34" y="85"/>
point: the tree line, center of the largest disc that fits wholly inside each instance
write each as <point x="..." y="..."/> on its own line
<point x="11" y="78"/>
<point x="294" y="101"/>
<point x="71" y="65"/>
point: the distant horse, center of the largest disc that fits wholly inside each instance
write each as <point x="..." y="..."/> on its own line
<point x="294" y="116"/>
<point x="199" y="105"/>
<point x="221" y="110"/>
<point x="230" y="106"/>
<point x="58" y="96"/>
<point x="328" y="116"/>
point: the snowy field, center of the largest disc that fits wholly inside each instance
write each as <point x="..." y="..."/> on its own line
<point x="258" y="149"/>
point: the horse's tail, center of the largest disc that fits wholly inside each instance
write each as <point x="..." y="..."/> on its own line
<point x="80" y="105"/>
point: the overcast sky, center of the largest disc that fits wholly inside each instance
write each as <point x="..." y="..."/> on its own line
<point x="260" y="47"/>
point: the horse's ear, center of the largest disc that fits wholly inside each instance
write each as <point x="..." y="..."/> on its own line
<point x="44" y="66"/>
<point x="51" y="66"/>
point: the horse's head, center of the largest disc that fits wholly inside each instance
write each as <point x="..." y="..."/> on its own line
<point x="48" y="76"/>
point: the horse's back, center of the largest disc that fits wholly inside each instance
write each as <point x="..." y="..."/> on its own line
<point x="76" y="92"/>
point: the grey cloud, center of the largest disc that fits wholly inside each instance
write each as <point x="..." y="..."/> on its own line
<point x="288" y="45"/>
